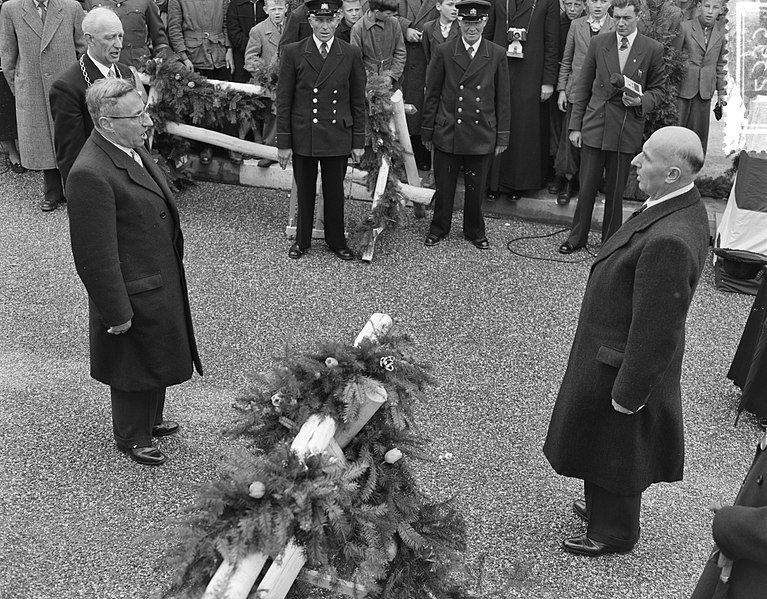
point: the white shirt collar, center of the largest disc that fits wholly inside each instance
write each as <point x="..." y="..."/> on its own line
<point x="668" y="196"/>
<point x="101" y="67"/>
<point x="631" y="37"/>
<point x="119" y="147"/>
<point x="318" y="43"/>
<point x="475" y="46"/>
<point x="592" y="21"/>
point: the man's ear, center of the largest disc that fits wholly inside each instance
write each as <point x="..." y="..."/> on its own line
<point x="674" y="174"/>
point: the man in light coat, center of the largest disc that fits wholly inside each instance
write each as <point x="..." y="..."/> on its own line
<point x="128" y="250"/>
<point x="38" y="42"/>
<point x="617" y="421"/>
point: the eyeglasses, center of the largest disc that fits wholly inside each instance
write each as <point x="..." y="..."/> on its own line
<point x="140" y="116"/>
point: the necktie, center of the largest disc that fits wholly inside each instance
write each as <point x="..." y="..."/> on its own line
<point x="624" y="43"/>
<point x="323" y="50"/>
<point x="111" y="72"/>
<point x="471" y="52"/>
<point x="638" y="211"/>
<point x="137" y="158"/>
<point x="43" y="11"/>
<point x="707" y="34"/>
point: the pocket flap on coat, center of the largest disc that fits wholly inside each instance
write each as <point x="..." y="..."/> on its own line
<point x="610" y="356"/>
<point x="348" y="121"/>
<point x="143" y="284"/>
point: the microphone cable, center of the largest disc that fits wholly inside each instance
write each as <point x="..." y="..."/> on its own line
<point x="542" y="258"/>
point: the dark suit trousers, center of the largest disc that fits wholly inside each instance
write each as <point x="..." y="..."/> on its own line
<point x="333" y="170"/>
<point x="53" y="186"/>
<point x="616" y="166"/>
<point x="134" y="414"/>
<point x="695" y="114"/>
<point x="613" y="519"/>
<point x="446" y="169"/>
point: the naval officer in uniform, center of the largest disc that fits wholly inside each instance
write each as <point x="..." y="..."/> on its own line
<point x="466" y="119"/>
<point x="320" y="121"/>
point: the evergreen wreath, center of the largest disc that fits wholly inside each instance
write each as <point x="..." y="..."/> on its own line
<point x="381" y="142"/>
<point x="368" y="523"/>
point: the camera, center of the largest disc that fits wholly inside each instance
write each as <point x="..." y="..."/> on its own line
<point x="516" y="36"/>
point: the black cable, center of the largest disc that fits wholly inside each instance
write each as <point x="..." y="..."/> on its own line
<point x="541" y="258"/>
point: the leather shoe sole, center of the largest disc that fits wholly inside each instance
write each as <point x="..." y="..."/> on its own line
<point x="567" y="248"/>
<point x="480" y="244"/>
<point x="146" y="456"/>
<point x="579" y="507"/>
<point x="432" y="240"/>
<point x="165" y="428"/>
<point x="583" y="545"/>
<point x="344" y="253"/>
<point x="295" y="252"/>
<point x="48" y="205"/>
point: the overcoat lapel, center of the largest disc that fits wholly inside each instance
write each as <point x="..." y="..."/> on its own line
<point x="140" y="176"/>
<point x="610" y="55"/>
<point x="32" y="18"/>
<point x="426" y="12"/>
<point x="480" y="61"/>
<point x="697" y="33"/>
<point x="159" y="178"/>
<point x="53" y="19"/>
<point x="312" y="55"/>
<point x="460" y="56"/>
<point x="523" y="7"/>
<point x="634" y="58"/>
<point x="643" y="220"/>
<point x="716" y="34"/>
<point x="583" y="31"/>
<point x="334" y="59"/>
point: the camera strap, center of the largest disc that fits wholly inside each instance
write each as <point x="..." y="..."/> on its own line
<point x="510" y="17"/>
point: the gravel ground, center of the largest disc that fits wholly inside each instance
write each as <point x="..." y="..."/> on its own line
<point x="77" y="519"/>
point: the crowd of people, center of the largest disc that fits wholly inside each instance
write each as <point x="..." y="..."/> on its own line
<point x="482" y="76"/>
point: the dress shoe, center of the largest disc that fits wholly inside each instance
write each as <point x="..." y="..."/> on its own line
<point x="344" y="253"/>
<point x="148" y="456"/>
<point x="492" y="195"/>
<point x="206" y="155"/>
<point x="583" y="545"/>
<point x="48" y="205"/>
<point x="295" y="252"/>
<point x="165" y="428"/>
<point x="514" y="196"/>
<point x="556" y="185"/>
<point x="235" y="157"/>
<point x="579" y="507"/>
<point x="17" y="168"/>
<point x="266" y="163"/>
<point x="564" y="195"/>
<point x="567" y="248"/>
<point x="432" y="240"/>
<point x="480" y="244"/>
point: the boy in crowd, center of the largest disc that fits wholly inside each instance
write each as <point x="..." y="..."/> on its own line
<point x="320" y="121"/>
<point x="441" y="30"/>
<point x="582" y="29"/>
<point x="352" y="11"/>
<point x="379" y="35"/>
<point x="261" y="52"/>
<point x="703" y="39"/>
<point x="466" y="119"/>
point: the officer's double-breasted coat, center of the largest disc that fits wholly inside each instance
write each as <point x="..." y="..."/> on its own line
<point x="467" y="110"/>
<point x="321" y="103"/>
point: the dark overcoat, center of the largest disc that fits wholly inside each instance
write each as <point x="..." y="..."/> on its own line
<point x="522" y="165"/>
<point x="321" y="104"/>
<point x="628" y="347"/>
<point x="241" y="17"/>
<point x="740" y="532"/>
<point x="414" y="14"/>
<point x="72" y="124"/>
<point x="598" y="109"/>
<point x="128" y="250"/>
<point x="466" y="110"/>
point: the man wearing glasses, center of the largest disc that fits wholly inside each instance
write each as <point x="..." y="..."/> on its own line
<point x="128" y="249"/>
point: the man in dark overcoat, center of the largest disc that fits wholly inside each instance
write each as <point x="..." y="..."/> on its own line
<point x="608" y="123"/>
<point x="737" y="566"/>
<point x="466" y="120"/>
<point x="72" y="124"/>
<point x="241" y="17"/>
<point x="617" y="421"/>
<point x="128" y="250"/>
<point x="320" y="121"/>
<point x="532" y="80"/>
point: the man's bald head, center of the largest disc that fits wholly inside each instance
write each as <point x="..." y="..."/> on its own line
<point x="669" y="160"/>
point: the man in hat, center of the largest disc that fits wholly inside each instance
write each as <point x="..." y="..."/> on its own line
<point x="320" y="121"/>
<point x="466" y="120"/>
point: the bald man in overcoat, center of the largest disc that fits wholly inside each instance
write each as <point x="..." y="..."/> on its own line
<point x="617" y="421"/>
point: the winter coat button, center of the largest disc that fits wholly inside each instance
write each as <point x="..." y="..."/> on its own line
<point x="316" y="90"/>
<point x="163" y="214"/>
<point x="314" y="121"/>
<point x="759" y="480"/>
<point x="458" y="121"/>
